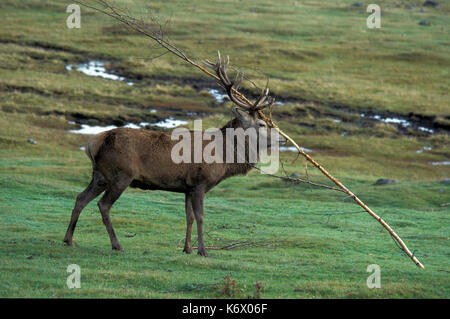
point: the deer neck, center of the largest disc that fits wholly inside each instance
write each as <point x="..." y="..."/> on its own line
<point x="235" y="168"/>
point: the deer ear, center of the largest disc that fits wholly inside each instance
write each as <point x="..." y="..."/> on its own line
<point x="241" y="115"/>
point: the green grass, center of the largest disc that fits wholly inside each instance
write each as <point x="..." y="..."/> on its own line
<point x="309" y="250"/>
<point x="318" y="50"/>
<point x="313" y="243"/>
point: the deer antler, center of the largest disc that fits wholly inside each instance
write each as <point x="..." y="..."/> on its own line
<point x="231" y="87"/>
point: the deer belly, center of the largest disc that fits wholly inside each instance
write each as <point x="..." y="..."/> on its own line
<point x="142" y="185"/>
<point x="167" y="184"/>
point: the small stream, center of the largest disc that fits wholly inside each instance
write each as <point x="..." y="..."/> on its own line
<point x="92" y="129"/>
<point x="97" y="68"/>
<point x="402" y="122"/>
<point x="443" y="163"/>
<point x="294" y="149"/>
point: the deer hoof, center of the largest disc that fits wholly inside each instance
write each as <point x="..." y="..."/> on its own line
<point x="187" y="250"/>
<point x="203" y="253"/>
<point x="119" y="248"/>
<point x="68" y="242"/>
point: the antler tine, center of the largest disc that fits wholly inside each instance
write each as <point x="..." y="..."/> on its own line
<point x="238" y="80"/>
<point x="263" y="97"/>
<point x="214" y="66"/>
<point x="209" y="64"/>
<point x="220" y="67"/>
<point x="238" y="101"/>
<point x="270" y="101"/>
<point x="222" y="72"/>
<point x="227" y="63"/>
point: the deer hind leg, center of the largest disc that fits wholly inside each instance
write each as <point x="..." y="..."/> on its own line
<point x="95" y="188"/>
<point x="113" y="192"/>
<point x="189" y="220"/>
<point x="197" y="205"/>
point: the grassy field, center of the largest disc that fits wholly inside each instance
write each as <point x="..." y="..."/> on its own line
<point x="305" y="242"/>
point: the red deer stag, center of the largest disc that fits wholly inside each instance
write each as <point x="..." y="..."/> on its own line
<point x="125" y="157"/>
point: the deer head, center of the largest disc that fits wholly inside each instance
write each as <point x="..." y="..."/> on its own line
<point x="247" y="113"/>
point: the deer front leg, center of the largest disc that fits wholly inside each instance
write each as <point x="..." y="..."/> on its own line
<point x="189" y="220"/>
<point x="197" y="205"/>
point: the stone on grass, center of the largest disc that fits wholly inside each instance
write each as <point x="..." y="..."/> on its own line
<point x="430" y="3"/>
<point x="384" y="181"/>
<point x="425" y="23"/>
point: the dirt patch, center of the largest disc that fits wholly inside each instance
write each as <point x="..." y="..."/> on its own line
<point x="45" y="46"/>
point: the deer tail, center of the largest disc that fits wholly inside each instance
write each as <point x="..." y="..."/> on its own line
<point x="93" y="146"/>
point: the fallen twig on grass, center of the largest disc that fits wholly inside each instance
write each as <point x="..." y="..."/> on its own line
<point x="238" y="244"/>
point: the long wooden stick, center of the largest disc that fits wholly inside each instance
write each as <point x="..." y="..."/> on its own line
<point x="349" y="193"/>
<point x="138" y="26"/>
